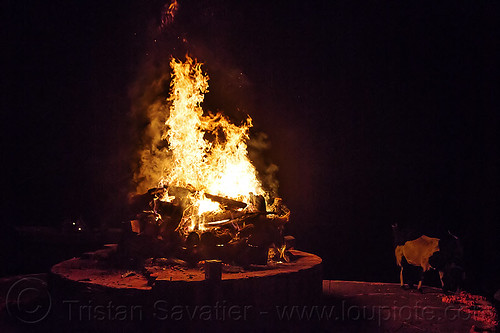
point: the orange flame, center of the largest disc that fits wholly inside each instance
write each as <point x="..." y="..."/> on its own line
<point x="219" y="166"/>
<point x="168" y="14"/>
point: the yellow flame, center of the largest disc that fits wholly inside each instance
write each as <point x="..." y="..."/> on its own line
<point x="219" y="166"/>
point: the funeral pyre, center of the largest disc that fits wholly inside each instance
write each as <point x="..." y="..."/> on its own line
<point x="198" y="195"/>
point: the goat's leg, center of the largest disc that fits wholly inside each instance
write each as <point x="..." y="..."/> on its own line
<point x="441" y="274"/>
<point x="401" y="277"/>
<point x="419" y="288"/>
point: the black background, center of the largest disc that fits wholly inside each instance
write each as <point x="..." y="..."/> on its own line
<point x="377" y="112"/>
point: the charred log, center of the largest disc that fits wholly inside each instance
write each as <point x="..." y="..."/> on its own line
<point x="246" y="231"/>
<point x="226" y="202"/>
<point x="139" y="203"/>
<point x="239" y="234"/>
<point x="192" y="240"/>
<point x="258" y="202"/>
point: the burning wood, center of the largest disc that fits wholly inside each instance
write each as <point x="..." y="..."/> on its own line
<point x="205" y="200"/>
<point x="238" y="221"/>
<point x="229" y="203"/>
<point x="241" y="236"/>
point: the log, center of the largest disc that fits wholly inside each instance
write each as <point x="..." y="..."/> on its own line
<point x="229" y="203"/>
<point x="243" y="218"/>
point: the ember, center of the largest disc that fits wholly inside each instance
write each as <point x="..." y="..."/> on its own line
<point x="199" y="194"/>
<point x="475" y="305"/>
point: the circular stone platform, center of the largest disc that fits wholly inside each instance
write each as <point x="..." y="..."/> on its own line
<point x="296" y="282"/>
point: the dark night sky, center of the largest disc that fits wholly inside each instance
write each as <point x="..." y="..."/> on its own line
<point x="377" y="113"/>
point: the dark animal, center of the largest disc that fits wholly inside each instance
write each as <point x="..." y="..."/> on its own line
<point x="443" y="254"/>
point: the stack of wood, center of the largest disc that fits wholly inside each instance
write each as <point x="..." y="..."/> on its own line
<point x="240" y="234"/>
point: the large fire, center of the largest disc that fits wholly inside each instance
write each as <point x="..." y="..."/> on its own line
<point x="219" y="167"/>
<point x="198" y="164"/>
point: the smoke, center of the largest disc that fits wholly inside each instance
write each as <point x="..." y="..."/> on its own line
<point x="149" y="110"/>
<point x="175" y="33"/>
<point x="258" y="152"/>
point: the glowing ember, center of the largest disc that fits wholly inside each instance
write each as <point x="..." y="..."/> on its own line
<point x="475" y="305"/>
